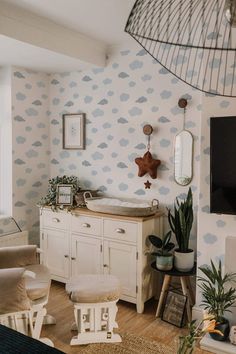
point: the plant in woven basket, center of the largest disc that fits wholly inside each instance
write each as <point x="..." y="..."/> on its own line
<point x="51" y="196"/>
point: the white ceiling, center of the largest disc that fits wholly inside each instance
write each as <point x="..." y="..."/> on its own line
<point x="100" y="19"/>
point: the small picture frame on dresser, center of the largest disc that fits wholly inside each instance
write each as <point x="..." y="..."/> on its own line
<point x="174" y="308"/>
<point x="73" y="127"/>
<point x="64" y="194"/>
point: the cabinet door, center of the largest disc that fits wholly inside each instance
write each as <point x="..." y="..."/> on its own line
<point x="86" y="255"/>
<point x="120" y="260"/>
<point x="56" y="253"/>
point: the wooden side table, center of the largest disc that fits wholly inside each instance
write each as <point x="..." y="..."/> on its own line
<point x="185" y="285"/>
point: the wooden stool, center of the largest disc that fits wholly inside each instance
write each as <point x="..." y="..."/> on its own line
<point x="94" y="297"/>
<point x="185" y="285"/>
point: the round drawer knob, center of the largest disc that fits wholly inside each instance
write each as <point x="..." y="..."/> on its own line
<point x="86" y="225"/>
<point x="66" y="256"/>
<point x="55" y="220"/>
<point x="105" y="265"/>
<point x="120" y="231"/>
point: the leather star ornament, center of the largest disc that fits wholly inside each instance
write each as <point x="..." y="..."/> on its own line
<point x="148" y="165"/>
<point x="147" y="184"/>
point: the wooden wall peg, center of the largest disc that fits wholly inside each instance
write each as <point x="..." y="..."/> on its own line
<point x="147" y="129"/>
<point x="182" y="103"/>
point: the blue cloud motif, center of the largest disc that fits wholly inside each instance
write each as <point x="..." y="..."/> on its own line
<point x="54" y="122"/>
<point x="210" y="238"/>
<point x="163" y="167"/>
<point x="124" y="97"/>
<point x="19" y="75"/>
<point x="163" y="119"/>
<point x="106" y="125"/>
<point x="123" y="75"/>
<point x="20" y="96"/>
<point x="28" y="86"/>
<point x="88" y="99"/>
<point x="115" y="65"/>
<point x="37" y="184"/>
<point x="110" y="137"/>
<point x="37" y="103"/>
<point x="31" y="112"/>
<point x="69" y="104"/>
<point x="41" y="125"/>
<point x="124" y="142"/>
<point x="53" y="82"/>
<point x="95" y="87"/>
<point x="41" y="165"/>
<point x="224" y="104"/>
<point x="107" y="81"/>
<point x="94" y="130"/>
<point x="56" y="141"/>
<point x="86" y="163"/>
<point x="55" y="101"/>
<point x="21" y="182"/>
<point x="19" y="119"/>
<point x="76" y="95"/>
<point x="140" y="146"/>
<point x="20" y="140"/>
<point x="131" y="130"/>
<point x="164" y="143"/>
<point x="123" y="187"/>
<point x="176" y="110"/>
<point x="190" y="124"/>
<point x="64" y="154"/>
<point x="28" y="128"/>
<point x="122" y="165"/>
<point x="132" y="156"/>
<point x="19" y="204"/>
<point x="31" y="153"/>
<point x="141" y="53"/>
<point x="146" y="77"/>
<point x="131" y="175"/>
<point x="72" y="166"/>
<point x="110" y="93"/>
<point x="114" y="155"/>
<point x="141" y="99"/>
<point x="98" y="113"/>
<point x="206" y="209"/>
<point x="115" y="110"/>
<point x="72" y="84"/>
<point x="106" y="169"/>
<point x="122" y="120"/>
<point x="102" y="146"/>
<point x="86" y="78"/>
<point x="97" y="156"/>
<point x="132" y="84"/>
<point x="154" y="109"/>
<point x="97" y="70"/>
<point x="220" y="223"/>
<point x="135" y="111"/>
<point x="94" y="173"/>
<point x="136" y="64"/>
<point x="173" y="130"/>
<point x="150" y="90"/>
<point x="103" y="101"/>
<point x="207" y="150"/>
<point x="163" y="71"/>
<point x="109" y="181"/>
<point x="174" y="80"/>
<point x="32" y="195"/>
<point x="37" y="143"/>
<point x="179" y="60"/>
<point x="163" y="190"/>
<point x="54" y="162"/>
<point x="28" y="170"/>
<point x="165" y="94"/>
<point x="140" y="192"/>
<point x="89" y="141"/>
<point x="124" y="52"/>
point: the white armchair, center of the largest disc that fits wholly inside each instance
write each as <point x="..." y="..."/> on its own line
<point x="24" y="290"/>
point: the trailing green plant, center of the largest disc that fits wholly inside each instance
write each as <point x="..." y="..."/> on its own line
<point x="181" y="221"/>
<point x="164" y="245"/>
<point x="217" y="299"/>
<point x="51" y="197"/>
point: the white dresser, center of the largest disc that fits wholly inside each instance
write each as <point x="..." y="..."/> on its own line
<point x="85" y="242"/>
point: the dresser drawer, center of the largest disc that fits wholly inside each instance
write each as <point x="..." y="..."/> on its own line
<point x="55" y="220"/>
<point x="86" y="225"/>
<point x="120" y="230"/>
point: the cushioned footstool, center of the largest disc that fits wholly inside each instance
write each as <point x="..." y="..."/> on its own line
<point x="94" y="297"/>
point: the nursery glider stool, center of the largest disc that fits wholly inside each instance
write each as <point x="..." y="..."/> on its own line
<point x="94" y="297"/>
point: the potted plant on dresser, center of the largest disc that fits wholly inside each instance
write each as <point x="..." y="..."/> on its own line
<point x="181" y="222"/>
<point x="164" y="257"/>
<point x="218" y="296"/>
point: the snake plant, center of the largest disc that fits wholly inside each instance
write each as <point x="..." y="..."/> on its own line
<point x="181" y="221"/>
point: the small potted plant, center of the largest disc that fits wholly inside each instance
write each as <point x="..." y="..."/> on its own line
<point x="217" y="299"/>
<point x="181" y="222"/>
<point x="164" y="258"/>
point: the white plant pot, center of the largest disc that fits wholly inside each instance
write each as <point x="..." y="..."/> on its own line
<point x="184" y="262"/>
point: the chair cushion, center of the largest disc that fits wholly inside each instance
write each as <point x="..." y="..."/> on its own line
<point x="38" y="287"/>
<point x="17" y="256"/>
<point x="93" y="288"/>
<point x="13" y="296"/>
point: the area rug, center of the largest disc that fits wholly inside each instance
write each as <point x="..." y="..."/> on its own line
<point x="131" y="344"/>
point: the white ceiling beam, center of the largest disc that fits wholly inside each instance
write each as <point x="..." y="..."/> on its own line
<point x="27" y="27"/>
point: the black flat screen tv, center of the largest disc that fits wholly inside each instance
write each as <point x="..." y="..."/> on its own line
<point x="223" y="165"/>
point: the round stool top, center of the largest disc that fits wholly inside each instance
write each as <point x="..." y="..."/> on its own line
<point x="93" y="288"/>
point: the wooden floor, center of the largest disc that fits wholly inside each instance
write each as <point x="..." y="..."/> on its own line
<point x="128" y="319"/>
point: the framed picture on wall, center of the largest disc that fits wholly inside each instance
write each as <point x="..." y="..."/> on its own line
<point x="64" y="194"/>
<point x="174" y="308"/>
<point x="73" y="125"/>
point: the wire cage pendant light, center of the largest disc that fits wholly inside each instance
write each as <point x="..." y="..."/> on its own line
<point x="193" y="39"/>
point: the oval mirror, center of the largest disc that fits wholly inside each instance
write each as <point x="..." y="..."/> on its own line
<point x="183" y="157"/>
